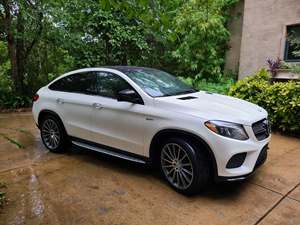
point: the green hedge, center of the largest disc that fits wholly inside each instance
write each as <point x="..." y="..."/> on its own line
<point x="281" y="100"/>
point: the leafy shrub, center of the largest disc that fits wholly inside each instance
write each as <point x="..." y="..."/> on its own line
<point x="11" y="101"/>
<point x="220" y="86"/>
<point x="281" y="100"/>
<point x="8" y="99"/>
<point x="201" y="36"/>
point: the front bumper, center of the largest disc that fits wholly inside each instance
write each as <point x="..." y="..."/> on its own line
<point x="224" y="149"/>
<point x="262" y="157"/>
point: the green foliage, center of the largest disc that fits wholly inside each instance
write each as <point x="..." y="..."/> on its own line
<point x="8" y="99"/>
<point x="2" y="198"/>
<point x="182" y="37"/>
<point x="202" y="36"/>
<point x="100" y="34"/>
<point x="294" y="68"/>
<point x="281" y="100"/>
<point x="294" y="40"/>
<point x="220" y="86"/>
<point x="251" y="86"/>
<point x="12" y="141"/>
<point x="2" y="194"/>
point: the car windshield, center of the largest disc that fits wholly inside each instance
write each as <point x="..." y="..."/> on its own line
<point x="157" y="83"/>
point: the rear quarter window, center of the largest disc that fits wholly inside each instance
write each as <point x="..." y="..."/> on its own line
<point x="84" y="83"/>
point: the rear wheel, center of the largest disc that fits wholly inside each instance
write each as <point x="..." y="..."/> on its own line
<point x="185" y="166"/>
<point x="53" y="134"/>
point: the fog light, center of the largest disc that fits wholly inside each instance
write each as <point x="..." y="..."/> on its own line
<point x="236" y="160"/>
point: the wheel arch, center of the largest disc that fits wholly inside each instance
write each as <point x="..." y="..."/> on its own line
<point x="45" y="112"/>
<point x="167" y="133"/>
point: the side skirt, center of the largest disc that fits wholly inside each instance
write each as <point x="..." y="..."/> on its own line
<point x="109" y="151"/>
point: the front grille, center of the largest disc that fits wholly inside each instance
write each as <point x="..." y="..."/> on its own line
<point x="261" y="129"/>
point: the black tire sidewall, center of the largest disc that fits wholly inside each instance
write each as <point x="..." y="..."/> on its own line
<point x="63" y="137"/>
<point x="200" y="163"/>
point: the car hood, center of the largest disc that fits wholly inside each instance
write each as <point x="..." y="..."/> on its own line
<point x="212" y="106"/>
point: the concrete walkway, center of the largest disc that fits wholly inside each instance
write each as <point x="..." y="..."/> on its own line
<point x="83" y="187"/>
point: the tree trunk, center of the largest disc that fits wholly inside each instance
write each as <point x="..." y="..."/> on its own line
<point x="11" y="44"/>
<point x="20" y="52"/>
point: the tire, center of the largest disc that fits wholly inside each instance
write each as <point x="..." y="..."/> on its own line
<point x="53" y="134"/>
<point x="189" y="175"/>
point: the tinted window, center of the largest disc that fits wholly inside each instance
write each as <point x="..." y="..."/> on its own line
<point x="108" y="84"/>
<point x="84" y="83"/>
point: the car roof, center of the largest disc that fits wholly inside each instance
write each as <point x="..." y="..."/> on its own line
<point x="125" y="69"/>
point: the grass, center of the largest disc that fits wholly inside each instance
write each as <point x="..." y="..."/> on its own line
<point x="12" y="141"/>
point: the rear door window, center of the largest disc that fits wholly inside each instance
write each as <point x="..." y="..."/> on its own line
<point x="84" y="83"/>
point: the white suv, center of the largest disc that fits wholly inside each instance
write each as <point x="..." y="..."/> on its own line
<point x="146" y="115"/>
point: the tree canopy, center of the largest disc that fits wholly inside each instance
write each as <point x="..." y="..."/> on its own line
<point x="41" y="39"/>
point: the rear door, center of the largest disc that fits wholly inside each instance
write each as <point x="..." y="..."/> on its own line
<point x="117" y="124"/>
<point x="74" y="99"/>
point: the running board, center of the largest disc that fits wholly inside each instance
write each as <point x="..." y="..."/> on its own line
<point x="108" y="152"/>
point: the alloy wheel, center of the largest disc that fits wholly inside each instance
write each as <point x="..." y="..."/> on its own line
<point x="51" y="134"/>
<point x="177" y="166"/>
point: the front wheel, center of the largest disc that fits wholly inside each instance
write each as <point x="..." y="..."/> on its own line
<point x="185" y="166"/>
<point x="53" y="134"/>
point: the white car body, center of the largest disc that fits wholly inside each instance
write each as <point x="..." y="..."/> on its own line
<point x="132" y="127"/>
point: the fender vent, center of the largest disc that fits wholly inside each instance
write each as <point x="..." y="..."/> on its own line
<point x="187" y="98"/>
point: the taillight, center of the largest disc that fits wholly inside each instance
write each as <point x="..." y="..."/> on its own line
<point x="35" y="97"/>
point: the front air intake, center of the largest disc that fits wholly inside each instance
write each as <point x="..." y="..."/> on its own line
<point x="236" y="160"/>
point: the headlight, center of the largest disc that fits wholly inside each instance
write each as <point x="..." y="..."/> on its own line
<point x="227" y="129"/>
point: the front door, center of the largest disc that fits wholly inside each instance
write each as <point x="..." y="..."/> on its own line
<point x="117" y="124"/>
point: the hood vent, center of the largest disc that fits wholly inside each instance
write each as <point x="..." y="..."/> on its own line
<point x="187" y="98"/>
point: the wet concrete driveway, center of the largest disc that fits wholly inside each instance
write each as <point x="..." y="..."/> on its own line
<point x="82" y="187"/>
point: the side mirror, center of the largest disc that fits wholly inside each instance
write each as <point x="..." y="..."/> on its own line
<point x="129" y="95"/>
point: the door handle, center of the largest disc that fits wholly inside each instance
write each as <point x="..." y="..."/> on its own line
<point x="97" y="106"/>
<point x="60" y="101"/>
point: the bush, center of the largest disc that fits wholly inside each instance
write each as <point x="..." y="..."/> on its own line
<point x="8" y="99"/>
<point x="199" y="37"/>
<point x="220" y="86"/>
<point x="281" y="100"/>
